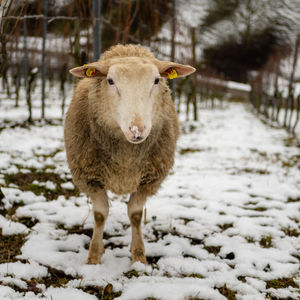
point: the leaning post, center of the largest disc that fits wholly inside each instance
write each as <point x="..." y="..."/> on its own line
<point x="25" y="59"/>
<point x="97" y="28"/>
<point x="45" y="13"/>
<point x="173" y="86"/>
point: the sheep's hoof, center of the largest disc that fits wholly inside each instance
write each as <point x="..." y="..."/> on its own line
<point x="138" y="255"/>
<point x="141" y="259"/>
<point x="93" y="260"/>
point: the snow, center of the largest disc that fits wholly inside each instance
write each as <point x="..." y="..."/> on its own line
<point x="68" y="293"/>
<point x="164" y="288"/>
<point x="68" y="185"/>
<point x="24" y="271"/>
<point x="9" y="227"/>
<point x="234" y="183"/>
<point x="239" y="86"/>
<point x="13" y="195"/>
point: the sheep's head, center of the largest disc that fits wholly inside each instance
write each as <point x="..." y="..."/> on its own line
<point x="133" y="88"/>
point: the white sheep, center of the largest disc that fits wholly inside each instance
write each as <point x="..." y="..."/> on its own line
<point x="120" y="134"/>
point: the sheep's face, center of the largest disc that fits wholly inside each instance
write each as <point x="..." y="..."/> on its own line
<point x="132" y="88"/>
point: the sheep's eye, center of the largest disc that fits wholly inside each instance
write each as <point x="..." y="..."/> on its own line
<point x="110" y="81"/>
<point x="156" y="81"/>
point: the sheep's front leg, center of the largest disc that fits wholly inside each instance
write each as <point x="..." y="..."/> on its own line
<point x="100" y="209"/>
<point x="135" y="213"/>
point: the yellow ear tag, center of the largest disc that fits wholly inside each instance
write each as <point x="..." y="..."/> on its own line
<point x="172" y="73"/>
<point x="90" y="72"/>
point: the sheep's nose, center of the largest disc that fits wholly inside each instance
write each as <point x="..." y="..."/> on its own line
<point x="137" y="133"/>
<point x="136" y="130"/>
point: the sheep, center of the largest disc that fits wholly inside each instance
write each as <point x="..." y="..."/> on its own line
<point x="120" y="134"/>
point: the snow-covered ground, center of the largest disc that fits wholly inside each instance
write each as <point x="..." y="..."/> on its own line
<point x="225" y="223"/>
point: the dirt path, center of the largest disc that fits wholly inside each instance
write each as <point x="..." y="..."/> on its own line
<point x="225" y="224"/>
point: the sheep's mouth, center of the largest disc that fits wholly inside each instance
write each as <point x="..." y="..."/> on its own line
<point x="136" y="140"/>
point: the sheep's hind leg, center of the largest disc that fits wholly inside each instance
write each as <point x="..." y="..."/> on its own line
<point x="135" y="213"/>
<point x="100" y="209"/>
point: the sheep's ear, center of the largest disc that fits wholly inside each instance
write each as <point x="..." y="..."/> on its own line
<point x="173" y="70"/>
<point x="90" y="70"/>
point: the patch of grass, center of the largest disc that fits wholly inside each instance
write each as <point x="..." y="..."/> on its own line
<point x="297" y="256"/>
<point x="267" y="268"/>
<point x="266" y="241"/>
<point x="195" y="241"/>
<point x="131" y="273"/>
<point x="10" y="246"/>
<point x="281" y="283"/>
<point x="187" y="128"/>
<point x="291" y="141"/>
<point x="259" y="208"/>
<point x="225" y="226"/>
<point x="112" y="245"/>
<point x="162" y="233"/>
<point x="250" y="239"/>
<point x="290" y="231"/>
<point x="32" y="285"/>
<point x="24" y="182"/>
<point x="186" y="220"/>
<point x="55" y="278"/>
<point x="230" y="256"/>
<point x="254" y="171"/>
<point x="242" y="278"/>
<point x="52" y="154"/>
<point x="152" y="260"/>
<point x="293" y="161"/>
<point x="77" y="229"/>
<point x="15" y="287"/>
<point x="159" y="234"/>
<point x="10" y="211"/>
<point x="27" y="221"/>
<point x="167" y="274"/>
<point x="189" y="150"/>
<point x="270" y="296"/>
<point x="188" y="255"/>
<point x="226" y="292"/>
<point x="261" y="153"/>
<point x="251" y="203"/>
<point x="291" y="200"/>
<point x="212" y="249"/>
<point x="196" y="275"/>
<point x="26" y="124"/>
<point x="259" y="196"/>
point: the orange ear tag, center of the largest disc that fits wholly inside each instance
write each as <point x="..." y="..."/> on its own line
<point x="90" y="72"/>
<point x="172" y="73"/>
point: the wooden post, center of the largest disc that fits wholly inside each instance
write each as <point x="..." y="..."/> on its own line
<point x="275" y="96"/>
<point x="266" y="96"/>
<point x="97" y="28"/>
<point x="297" y="113"/>
<point x="45" y="13"/>
<point x="291" y="82"/>
<point x="193" y="80"/>
<point x="173" y="84"/>
<point x="26" y="71"/>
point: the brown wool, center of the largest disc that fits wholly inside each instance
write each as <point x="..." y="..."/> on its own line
<point x="99" y="155"/>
